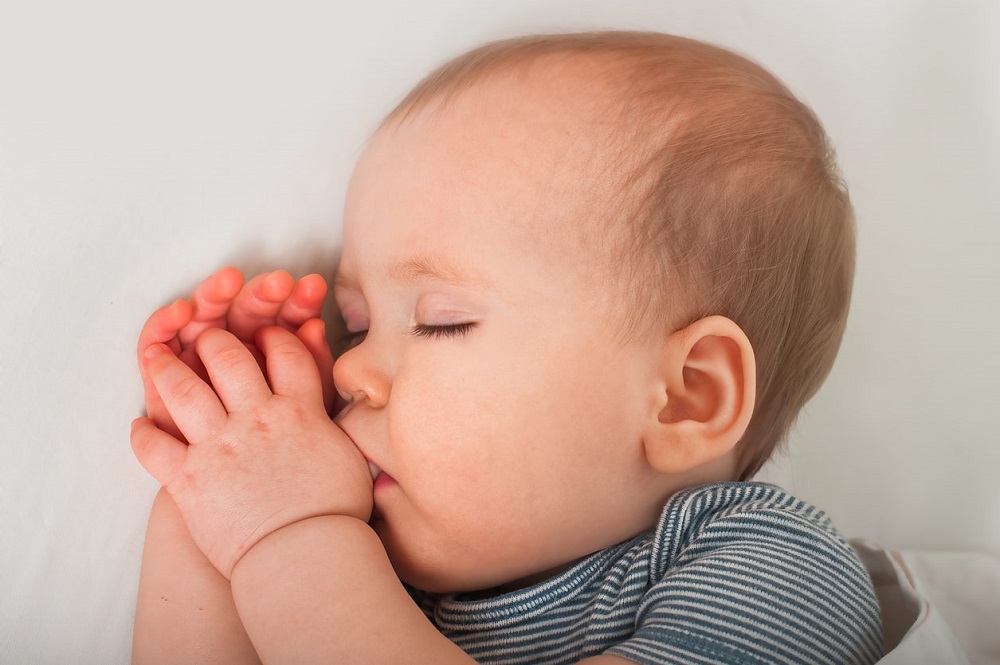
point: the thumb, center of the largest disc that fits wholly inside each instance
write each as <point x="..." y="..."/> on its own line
<point x="161" y="454"/>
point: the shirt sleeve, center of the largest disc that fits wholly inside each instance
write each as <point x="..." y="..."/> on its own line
<point x="757" y="581"/>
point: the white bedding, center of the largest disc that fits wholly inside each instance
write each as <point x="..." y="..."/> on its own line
<point x="937" y="607"/>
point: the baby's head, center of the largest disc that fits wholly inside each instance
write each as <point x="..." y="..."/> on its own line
<point x="714" y="192"/>
<point x="593" y="270"/>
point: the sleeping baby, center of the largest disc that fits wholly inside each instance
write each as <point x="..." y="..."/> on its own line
<point x="588" y="283"/>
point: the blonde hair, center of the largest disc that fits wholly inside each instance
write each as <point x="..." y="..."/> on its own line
<point x="732" y="204"/>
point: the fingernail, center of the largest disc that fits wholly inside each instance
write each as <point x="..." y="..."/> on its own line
<point x="154" y="350"/>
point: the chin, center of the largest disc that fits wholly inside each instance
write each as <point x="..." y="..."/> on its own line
<point x="411" y="569"/>
<point x="431" y="576"/>
<point x="443" y="569"/>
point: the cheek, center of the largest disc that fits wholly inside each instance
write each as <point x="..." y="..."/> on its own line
<point x="479" y="430"/>
<point x="571" y="391"/>
<point x="510" y="405"/>
<point x="442" y="408"/>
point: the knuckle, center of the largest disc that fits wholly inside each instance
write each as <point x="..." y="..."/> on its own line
<point x="261" y="423"/>
<point x="186" y="479"/>
<point x="230" y="357"/>
<point x="228" y="446"/>
<point x="186" y="390"/>
<point x="286" y="352"/>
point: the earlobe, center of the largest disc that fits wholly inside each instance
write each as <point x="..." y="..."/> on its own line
<point x="708" y="379"/>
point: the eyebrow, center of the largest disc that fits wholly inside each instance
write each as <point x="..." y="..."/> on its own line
<point x="437" y="268"/>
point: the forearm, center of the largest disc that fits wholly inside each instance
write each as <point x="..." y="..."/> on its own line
<point x="185" y="611"/>
<point x="322" y="590"/>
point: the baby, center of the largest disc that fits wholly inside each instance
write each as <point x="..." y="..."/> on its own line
<point x="588" y="282"/>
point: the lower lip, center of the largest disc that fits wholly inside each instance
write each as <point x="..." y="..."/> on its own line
<point x="382" y="481"/>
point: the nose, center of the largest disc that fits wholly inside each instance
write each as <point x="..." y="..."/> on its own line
<point x="359" y="377"/>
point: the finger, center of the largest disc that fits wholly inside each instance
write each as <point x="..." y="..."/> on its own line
<point x="191" y="359"/>
<point x="258" y="303"/>
<point x="157" y="410"/>
<point x="191" y="403"/>
<point x="233" y="370"/>
<point x="312" y="333"/>
<point x="306" y="302"/>
<point x="162" y="326"/>
<point x="159" y="453"/>
<point x="290" y="366"/>
<point x="211" y="301"/>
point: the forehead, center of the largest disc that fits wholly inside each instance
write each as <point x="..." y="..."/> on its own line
<point x="522" y="157"/>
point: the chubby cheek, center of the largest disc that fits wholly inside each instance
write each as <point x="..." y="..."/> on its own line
<point x="445" y="428"/>
<point x="507" y="415"/>
<point x="491" y="454"/>
<point x="457" y="447"/>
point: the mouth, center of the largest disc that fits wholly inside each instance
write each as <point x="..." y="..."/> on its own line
<point x="373" y="468"/>
<point x="380" y="481"/>
<point x="380" y="478"/>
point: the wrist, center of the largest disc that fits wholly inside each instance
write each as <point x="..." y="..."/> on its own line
<point x="298" y="539"/>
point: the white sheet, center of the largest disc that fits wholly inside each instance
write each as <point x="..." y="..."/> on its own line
<point x="937" y="607"/>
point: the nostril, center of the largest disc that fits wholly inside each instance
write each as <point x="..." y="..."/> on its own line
<point x="346" y="396"/>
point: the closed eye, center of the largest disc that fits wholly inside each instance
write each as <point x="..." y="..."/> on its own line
<point x="352" y="339"/>
<point x="453" y="330"/>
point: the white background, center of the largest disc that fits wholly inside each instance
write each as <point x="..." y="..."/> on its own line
<point x="143" y="146"/>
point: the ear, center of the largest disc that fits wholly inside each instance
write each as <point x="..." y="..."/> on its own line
<point x="708" y="386"/>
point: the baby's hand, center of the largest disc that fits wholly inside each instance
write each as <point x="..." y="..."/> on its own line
<point x="263" y="453"/>
<point x="224" y="301"/>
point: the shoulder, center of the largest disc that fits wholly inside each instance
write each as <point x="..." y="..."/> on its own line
<point x="757" y="529"/>
<point x="697" y="521"/>
<point x="742" y="571"/>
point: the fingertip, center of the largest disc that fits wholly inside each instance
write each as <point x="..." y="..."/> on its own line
<point x="171" y="317"/>
<point x="276" y="286"/>
<point x="155" y="350"/>
<point x="138" y="437"/>
<point x="277" y="339"/>
<point x="313" y="330"/>
<point x="183" y="310"/>
<point x="208" y="334"/>
<point x="216" y="291"/>
<point x="312" y="287"/>
<point x="263" y="336"/>
<point x="230" y="281"/>
<point x="141" y="423"/>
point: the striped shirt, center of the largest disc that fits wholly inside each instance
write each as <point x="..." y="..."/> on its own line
<point x="733" y="573"/>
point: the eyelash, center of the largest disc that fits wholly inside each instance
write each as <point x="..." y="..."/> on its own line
<point x="455" y="330"/>
<point x="352" y="339"/>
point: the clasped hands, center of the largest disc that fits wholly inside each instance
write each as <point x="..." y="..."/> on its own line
<point x="239" y="386"/>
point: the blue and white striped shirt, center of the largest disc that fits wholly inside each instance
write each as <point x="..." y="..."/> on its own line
<point x="733" y="573"/>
